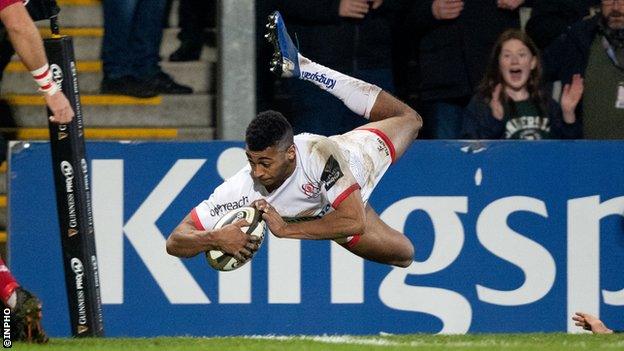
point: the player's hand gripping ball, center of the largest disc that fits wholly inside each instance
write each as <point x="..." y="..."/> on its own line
<point x="224" y="262"/>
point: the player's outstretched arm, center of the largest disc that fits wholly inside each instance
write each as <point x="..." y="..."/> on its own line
<point x="187" y="241"/>
<point x="590" y="322"/>
<point x="348" y="219"/>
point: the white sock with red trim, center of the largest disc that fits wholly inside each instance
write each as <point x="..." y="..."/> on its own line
<point x="356" y="94"/>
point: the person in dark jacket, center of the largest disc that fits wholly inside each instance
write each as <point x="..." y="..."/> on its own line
<point x="594" y="48"/>
<point x="351" y="36"/>
<point x="551" y="18"/>
<point x="510" y="103"/>
<point x="454" y="41"/>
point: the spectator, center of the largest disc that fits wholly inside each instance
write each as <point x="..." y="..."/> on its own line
<point x="510" y="103"/>
<point x="195" y="17"/>
<point x="352" y="36"/>
<point x="131" y="50"/>
<point x="594" y="48"/>
<point x="551" y="18"/>
<point x="592" y="323"/>
<point x="455" y="38"/>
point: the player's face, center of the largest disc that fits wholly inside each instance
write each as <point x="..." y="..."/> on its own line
<point x="272" y="166"/>
<point x="516" y="63"/>
<point x="613" y="12"/>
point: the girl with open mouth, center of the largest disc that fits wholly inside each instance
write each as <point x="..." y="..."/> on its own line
<point x="510" y="102"/>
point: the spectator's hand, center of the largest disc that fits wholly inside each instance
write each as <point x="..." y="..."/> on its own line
<point x="447" y="9"/>
<point x="495" y="103"/>
<point x="509" y="4"/>
<point x="589" y="322"/>
<point x="62" y="112"/>
<point x="353" y="8"/>
<point x="570" y="98"/>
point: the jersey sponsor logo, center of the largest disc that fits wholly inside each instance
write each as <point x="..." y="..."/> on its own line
<point x="331" y="173"/>
<point x="220" y="209"/>
<point x="311" y="190"/>
<point x="321" y="78"/>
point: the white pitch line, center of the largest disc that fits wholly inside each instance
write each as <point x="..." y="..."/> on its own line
<point x="331" y="339"/>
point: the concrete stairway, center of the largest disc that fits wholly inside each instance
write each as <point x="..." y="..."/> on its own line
<point x="121" y="117"/>
<point x="166" y="117"/>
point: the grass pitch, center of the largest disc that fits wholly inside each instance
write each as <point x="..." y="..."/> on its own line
<point x="550" y="342"/>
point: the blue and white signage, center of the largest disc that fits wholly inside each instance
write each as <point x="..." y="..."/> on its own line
<point x="509" y="237"/>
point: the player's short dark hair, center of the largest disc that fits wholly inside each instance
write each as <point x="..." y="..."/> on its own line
<point x="269" y="128"/>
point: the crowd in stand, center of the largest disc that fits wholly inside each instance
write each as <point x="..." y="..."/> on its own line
<point x="466" y="66"/>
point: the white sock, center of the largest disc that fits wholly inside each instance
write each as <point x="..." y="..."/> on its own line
<point x="356" y="94"/>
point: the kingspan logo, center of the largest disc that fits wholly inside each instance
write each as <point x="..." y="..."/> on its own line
<point x="321" y="78"/>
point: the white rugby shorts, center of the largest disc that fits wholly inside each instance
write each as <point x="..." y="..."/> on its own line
<point x="369" y="152"/>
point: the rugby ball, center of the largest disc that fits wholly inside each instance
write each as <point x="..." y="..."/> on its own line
<point x="224" y="262"/>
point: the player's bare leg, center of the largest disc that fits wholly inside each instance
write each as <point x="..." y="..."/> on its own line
<point x="381" y="243"/>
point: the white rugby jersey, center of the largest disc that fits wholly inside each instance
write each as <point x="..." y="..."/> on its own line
<point x="321" y="180"/>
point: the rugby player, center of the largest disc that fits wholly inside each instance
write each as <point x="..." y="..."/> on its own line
<point x="310" y="186"/>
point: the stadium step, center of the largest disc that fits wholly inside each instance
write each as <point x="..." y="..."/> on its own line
<point x="80" y="13"/>
<point x="109" y="117"/>
<point x="116" y="134"/>
<point x="196" y="74"/>
<point x="85" y="13"/>
<point x="121" y="111"/>
<point x="107" y="111"/>
<point x="88" y="42"/>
